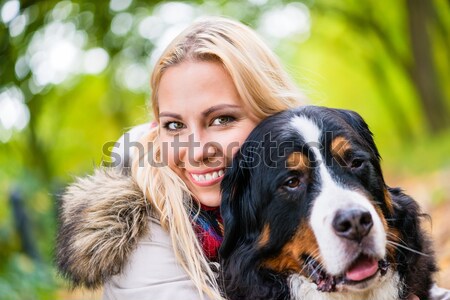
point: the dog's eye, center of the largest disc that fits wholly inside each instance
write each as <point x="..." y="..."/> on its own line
<point x="357" y="163"/>
<point x="292" y="182"/>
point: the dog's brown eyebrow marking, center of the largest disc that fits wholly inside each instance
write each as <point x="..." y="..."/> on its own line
<point x="298" y="161"/>
<point x="339" y="147"/>
<point x="264" y="237"/>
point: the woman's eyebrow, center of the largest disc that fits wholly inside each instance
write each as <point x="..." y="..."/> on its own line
<point x="212" y="109"/>
<point x="170" y="115"/>
<point x="205" y="113"/>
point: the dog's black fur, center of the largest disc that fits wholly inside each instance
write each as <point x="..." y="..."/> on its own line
<point x="253" y="196"/>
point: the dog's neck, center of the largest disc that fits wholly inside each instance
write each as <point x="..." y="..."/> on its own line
<point x="389" y="288"/>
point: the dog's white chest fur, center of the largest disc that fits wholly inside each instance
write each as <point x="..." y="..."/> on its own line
<point x="387" y="289"/>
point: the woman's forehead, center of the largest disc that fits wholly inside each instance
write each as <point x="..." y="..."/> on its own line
<point x="196" y="86"/>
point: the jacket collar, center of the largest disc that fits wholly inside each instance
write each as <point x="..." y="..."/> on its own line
<point x="101" y="219"/>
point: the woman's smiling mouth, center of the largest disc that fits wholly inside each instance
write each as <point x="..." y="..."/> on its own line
<point x="207" y="178"/>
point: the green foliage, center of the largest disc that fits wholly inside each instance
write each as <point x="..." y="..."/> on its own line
<point x="21" y="278"/>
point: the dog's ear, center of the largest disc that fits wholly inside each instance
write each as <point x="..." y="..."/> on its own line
<point x="241" y="276"/>
<point x="236" y="191"/>
<point x="414" y="257"/>
<point x="361" y="128"/>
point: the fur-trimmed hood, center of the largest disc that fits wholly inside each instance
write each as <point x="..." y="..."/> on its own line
<point x="102" y="217"/>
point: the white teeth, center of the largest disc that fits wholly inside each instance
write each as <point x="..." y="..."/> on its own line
<point x="208" y="176"/>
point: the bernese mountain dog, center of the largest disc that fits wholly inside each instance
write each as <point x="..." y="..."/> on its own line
<point x="307" y="215"/>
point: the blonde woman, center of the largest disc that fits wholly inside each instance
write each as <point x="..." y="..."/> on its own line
<point x="155" y="234"/>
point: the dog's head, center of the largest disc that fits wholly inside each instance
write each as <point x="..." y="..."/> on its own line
<point x="306" y="195"/>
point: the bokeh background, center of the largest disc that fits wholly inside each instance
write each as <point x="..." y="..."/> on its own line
<point x="75" y="74"/>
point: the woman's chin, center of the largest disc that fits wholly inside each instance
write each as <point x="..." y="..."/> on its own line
<point x="211" y="199"/>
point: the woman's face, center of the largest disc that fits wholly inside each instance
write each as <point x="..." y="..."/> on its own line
<point x="203" y="122"/>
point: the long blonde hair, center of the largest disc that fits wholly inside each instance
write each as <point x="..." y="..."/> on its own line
<point x="265" y="89"/>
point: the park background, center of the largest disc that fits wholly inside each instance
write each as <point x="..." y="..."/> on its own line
<point x="74" y="75"/>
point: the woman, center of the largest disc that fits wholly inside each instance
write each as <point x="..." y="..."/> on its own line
<point x="210" y="88"/>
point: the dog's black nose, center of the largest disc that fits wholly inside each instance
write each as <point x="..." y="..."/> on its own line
<point x="352" y="224"/>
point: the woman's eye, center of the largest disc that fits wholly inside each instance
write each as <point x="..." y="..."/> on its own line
<point x="174" y="125"/>
<point x="222" y="120"/>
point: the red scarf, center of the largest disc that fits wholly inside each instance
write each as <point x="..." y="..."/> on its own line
<point x="208" y="226"/>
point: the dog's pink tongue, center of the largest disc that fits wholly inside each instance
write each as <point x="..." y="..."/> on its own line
<point x="362" y="268"/>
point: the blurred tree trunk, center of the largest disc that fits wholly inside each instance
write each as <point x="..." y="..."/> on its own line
<point x="23" y="224"/>
<point x="425" y="27"/>
<point x="423" y="71"/>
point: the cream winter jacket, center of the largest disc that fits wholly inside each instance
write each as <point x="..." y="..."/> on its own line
<point x="108" y="237"/>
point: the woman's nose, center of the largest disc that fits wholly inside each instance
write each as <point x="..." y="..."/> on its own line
<point x="202" y="150"/>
